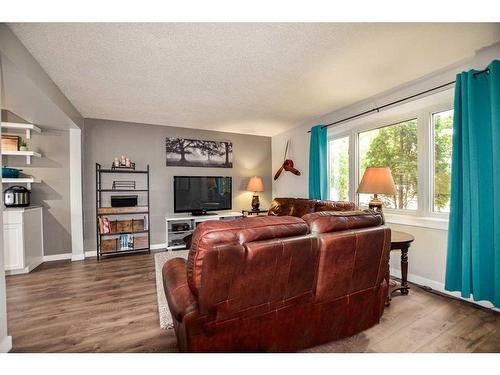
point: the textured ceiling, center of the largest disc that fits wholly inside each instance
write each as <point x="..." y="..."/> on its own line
<point x="247" y="78"/>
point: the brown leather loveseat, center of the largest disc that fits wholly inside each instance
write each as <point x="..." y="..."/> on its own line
<point x="278" y="283"/>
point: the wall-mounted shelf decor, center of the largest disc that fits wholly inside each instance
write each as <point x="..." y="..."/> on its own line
<point x="22" y="180"/>
<point x="27" y="154"/>
<point x="27" y="128"/>
<point x="131" y="232"/>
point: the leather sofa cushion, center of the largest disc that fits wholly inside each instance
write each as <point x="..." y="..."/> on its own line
<point x="299" y="207"/>
<point x="351" y="261"/>
<point x="258" y="277"/>
<point x="335" y="206"/>
<point x="334" y="221"/>
<point x="213" y="234"/>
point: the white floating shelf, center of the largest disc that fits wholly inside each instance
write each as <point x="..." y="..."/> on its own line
<point x="27" y="154"/>
<point x="28" y="128"/>
<point x="22" y="180"/>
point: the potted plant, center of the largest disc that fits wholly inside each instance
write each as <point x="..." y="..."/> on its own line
<point x="23" y="146"/>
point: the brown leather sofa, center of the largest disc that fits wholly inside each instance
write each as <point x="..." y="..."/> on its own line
<point x="278" y="283"/>
<point x="299" y="207"/>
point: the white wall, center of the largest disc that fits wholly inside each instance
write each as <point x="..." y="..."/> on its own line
<point x="427" y="256"/>
<point x="5" y="340"/>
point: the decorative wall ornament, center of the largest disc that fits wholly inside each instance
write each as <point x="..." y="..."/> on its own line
<point x="122" y="162"/>
<point x="183" y="152"/>
<point x="287" y="165"/>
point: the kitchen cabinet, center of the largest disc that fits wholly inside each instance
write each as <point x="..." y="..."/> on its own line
<point x="22" y="239"/>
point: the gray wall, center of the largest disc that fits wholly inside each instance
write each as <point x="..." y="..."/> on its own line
<point x="27" y="90"/>
<point x="12" y="48"/>
<point x="145" y="144"/>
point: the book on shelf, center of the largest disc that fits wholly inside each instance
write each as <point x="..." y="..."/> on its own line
<point x="104" y="225"/>
<point x="126" y="241"/>
<point x="146" y="222"/>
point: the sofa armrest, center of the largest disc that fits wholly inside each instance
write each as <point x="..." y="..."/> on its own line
<point x="179" y="297"/>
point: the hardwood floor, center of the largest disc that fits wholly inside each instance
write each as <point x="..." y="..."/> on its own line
<point x="110" y="306"/>
<point x="87" y="306"/>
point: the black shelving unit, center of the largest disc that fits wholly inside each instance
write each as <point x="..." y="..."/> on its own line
<point x="122" y="211"/>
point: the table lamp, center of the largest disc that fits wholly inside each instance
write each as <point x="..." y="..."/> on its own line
<point x="377" y="180"/>
<point x="255" y="185"/>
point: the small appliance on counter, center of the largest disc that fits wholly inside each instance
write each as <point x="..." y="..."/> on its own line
<point x="16" y="196"/>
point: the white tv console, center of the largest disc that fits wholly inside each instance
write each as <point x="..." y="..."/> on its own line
<point x="191" y="221"/>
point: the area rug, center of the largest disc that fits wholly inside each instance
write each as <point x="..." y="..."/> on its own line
<point x="160" y="259"/>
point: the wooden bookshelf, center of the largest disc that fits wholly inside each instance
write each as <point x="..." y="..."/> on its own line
<point x="134" y="221"/>
<point x="122" y="210"/>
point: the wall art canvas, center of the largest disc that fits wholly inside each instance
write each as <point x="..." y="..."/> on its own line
<point x="183" y="152"/>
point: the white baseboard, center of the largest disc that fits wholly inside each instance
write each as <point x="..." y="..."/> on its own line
<point x="439" y="286"/>
<point x="90" y="254"/>
<point x="35" y="264"/>
<point x="52" y="258"/>
<point x="78" y="257"/>
<point x="18" y="271"/>
<point x="6" y="344"/>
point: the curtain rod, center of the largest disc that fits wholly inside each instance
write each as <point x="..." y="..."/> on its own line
<point x="377" y="109"/>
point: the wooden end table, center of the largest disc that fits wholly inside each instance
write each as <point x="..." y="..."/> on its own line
<point x="400" y="241"/>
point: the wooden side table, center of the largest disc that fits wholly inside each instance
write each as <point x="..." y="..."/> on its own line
<point x="401" y="241"/>
<point x="253" y="212"/>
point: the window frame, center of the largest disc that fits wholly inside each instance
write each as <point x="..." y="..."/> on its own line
<point x="432" y="130"/>
<point x="358" y="157"/>
<point x="422" y="110"/>
<point x="331" y="137"/>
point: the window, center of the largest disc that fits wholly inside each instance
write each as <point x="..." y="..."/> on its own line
<point x="393" y="146"/>
<point x="338" y="151"/>
<point x="442" y="124"/>
<point x="414" y="140"/>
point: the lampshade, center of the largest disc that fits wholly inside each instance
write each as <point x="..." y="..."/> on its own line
<point x="377" y="181"/>
<point x="255" y="184"/>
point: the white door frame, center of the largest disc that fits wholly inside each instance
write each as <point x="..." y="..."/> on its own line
<point x="75" y="176"/>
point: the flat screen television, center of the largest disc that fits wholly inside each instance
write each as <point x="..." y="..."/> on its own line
<point x="199" y="194"/>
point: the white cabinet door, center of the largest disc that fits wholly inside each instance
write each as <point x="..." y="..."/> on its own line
<point x="13" y="246"/>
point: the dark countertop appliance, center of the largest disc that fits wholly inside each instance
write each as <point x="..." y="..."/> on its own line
<point x="123" y="200"/>
<point x="16" y="196"/>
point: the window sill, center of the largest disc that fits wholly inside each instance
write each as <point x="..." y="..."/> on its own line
<point x="417" y="221"/>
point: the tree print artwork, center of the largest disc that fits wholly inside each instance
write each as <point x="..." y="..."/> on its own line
<point x="182" y="152"/>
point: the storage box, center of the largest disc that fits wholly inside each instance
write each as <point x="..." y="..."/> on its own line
<point x="109" y="246"/>
<point x="140" y="242"/>
<point x="10" y="142"/>
<point x="120" y="226"/>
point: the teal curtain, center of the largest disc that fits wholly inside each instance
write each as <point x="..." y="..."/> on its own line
<point x="473" y="261"/>
<point x="318" y="163"/>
